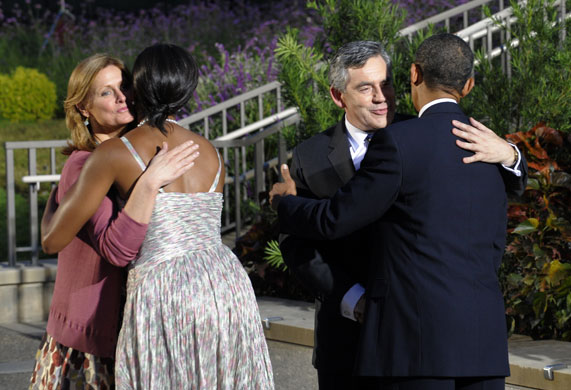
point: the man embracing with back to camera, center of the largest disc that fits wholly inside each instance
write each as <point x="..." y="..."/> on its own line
<point x="360" y="78"/>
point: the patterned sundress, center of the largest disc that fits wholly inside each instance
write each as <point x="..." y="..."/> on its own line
<point x="191" y="320"/>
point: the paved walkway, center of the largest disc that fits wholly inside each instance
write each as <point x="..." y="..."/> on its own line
<point x="19" y="343"/>
<point x="289" y="331"/>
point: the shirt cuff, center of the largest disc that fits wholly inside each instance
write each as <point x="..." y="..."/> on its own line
<point x="350" y="300"/>
<point x="514" y="169"/>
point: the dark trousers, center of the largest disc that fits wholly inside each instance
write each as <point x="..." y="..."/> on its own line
<point x="475" y="383"/>
<point x="330" y="381"/>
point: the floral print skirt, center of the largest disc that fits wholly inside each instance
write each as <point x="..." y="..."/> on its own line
<point x="62" y="368"/>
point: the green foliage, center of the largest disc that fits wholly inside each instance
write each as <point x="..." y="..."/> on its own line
<point x="27" y="95"/>
<point x="303" y="69"/>
<point x="536" y="272"/>
<point x="306" y="85"/>
<point x="253" y="249"/>
<point x="358" y="20"/>
<point x="273" y="255"/>
<point x="539" y="87"/>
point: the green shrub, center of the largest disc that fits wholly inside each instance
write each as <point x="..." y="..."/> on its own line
<point x="27" y="95"/>
<point x="538" y="88"/>
<point x="536" y="271"/>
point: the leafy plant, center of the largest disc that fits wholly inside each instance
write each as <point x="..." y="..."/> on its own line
<point x="536" y="272"/>
<point x="351" y="20"/>
<point x="538" y="87"/>
<point x="273" y="255"/>
<point x="268" y="278"/>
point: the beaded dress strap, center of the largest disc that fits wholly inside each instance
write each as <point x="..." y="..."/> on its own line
<point x="135" y="155"/>
<point x="217" y="178"/>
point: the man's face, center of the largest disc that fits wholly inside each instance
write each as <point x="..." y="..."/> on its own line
<point x="369" y="97"/>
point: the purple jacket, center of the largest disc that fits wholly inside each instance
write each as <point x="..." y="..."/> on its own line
<point x="86" y="306"/>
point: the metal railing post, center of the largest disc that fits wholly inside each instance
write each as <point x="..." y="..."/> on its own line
<point x="258" y="168"/>
<point x="282" y="153"/>
<point x="237" y="214"/>
<point x="10" y="207"/>
<point x="33" y="191"/>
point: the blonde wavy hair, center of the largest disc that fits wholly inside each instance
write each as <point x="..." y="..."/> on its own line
<point x="78" y="88"/>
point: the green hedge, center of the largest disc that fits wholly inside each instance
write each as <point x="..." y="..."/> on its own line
<point x="27" y="95"/>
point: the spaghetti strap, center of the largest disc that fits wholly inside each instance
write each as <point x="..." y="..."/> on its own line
<point x="136" y="155"/>
<point x="217" y="178"/>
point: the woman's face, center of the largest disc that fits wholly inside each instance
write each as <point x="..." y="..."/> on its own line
<point x="106" y="106"/>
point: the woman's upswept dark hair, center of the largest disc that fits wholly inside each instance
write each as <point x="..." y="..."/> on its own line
<point x="164" y="79"/>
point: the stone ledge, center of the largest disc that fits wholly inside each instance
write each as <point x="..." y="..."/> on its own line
<point x="25" y="291"/>
<point x="286" y="320"/>
<point x="527" y="357"/>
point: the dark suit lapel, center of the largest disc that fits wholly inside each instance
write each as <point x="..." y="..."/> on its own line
<point x="339" y="154"/>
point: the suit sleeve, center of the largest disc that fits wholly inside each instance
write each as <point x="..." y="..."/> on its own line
<point x="304" y="257"/>
<point x="515" y="185"/>
<point x="363" y="200"/>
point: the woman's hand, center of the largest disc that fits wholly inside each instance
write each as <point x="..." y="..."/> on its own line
<point x="169" y="165"/>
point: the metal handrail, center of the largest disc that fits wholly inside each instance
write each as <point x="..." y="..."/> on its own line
<point x="484" y="29"/>
<point x="246" y="135"/>
<point x="240" y="100"/>
<point x="32" y="147"/>
<point x="238" y="141"/>
<point x="447" y="15"/>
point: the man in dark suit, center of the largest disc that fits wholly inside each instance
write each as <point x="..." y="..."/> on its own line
<point x="434" y="317"/>
<point x="360" y="79"/>
<point x="320" y="166"/>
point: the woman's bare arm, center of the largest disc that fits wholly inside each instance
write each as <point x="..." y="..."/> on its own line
<point x="97" y="176"/>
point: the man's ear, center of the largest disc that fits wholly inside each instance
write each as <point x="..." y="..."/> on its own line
<point x="415" y="74"/>
<point x="337" y="97"/>
<point x="82" y="110"/>
<point x="468" y="86"/>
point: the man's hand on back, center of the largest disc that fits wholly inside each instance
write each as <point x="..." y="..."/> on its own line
<point x="487" y="146"/>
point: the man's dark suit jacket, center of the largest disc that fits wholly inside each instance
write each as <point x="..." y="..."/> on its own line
<point x="320" y="166"/>
<point x="434" y="306"/>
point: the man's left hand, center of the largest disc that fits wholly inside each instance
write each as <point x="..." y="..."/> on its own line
<point x="285" y="188"/>
<point x="487" y="146"/>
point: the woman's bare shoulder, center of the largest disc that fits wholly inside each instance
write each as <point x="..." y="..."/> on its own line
<point x="108" y="152"/>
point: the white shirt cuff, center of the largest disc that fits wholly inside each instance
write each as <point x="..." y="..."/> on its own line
<point x="515" y="169"/>
<point x="350" y="300"/>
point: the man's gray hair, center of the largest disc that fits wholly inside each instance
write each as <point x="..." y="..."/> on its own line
<point x="354" y="55"/>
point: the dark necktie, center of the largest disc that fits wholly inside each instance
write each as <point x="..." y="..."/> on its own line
<point x="368" y="139"/>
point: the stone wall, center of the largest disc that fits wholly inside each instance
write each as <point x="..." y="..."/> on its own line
<point x="26" y="292"/>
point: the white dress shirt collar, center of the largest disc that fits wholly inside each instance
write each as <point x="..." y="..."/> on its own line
<point x="432" y="103"/>
<point x="355" y="136"/>
<point x="357" y="146"/>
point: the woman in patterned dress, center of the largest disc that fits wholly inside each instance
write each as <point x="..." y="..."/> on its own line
<point x="78" y="348"/>
<point x="191" y="319"/>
